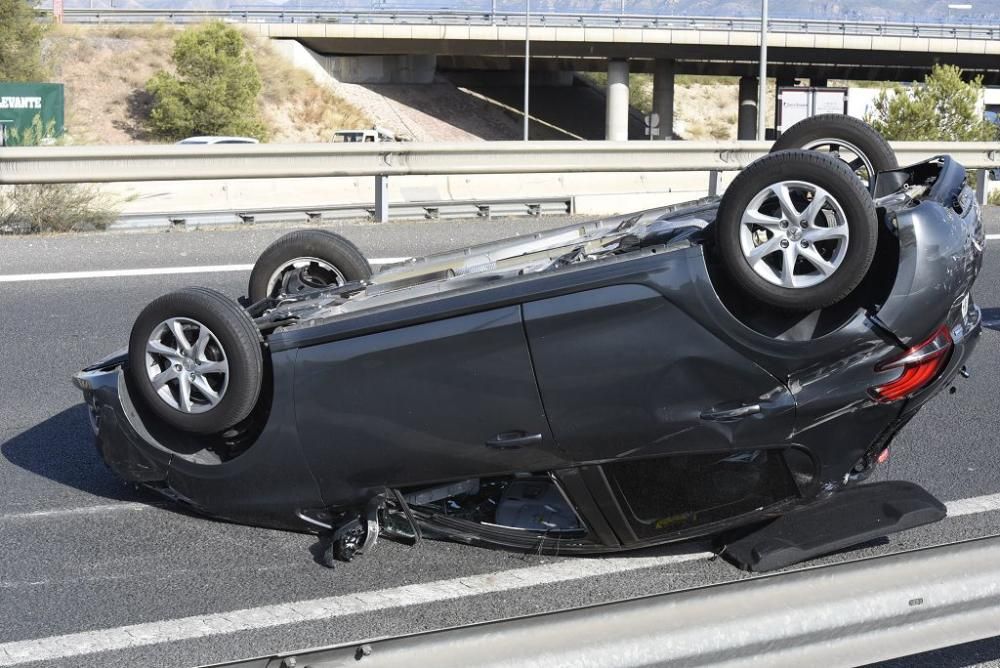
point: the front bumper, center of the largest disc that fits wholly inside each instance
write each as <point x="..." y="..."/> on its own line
<point x="264" y="485"/>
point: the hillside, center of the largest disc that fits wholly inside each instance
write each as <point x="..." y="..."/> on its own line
<point x="105" y="70"/>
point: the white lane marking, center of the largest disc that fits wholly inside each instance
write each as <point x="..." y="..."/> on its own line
<point x="187" y="628"/>
<point x="200" y="626"/>
<point x="974" y="505"/>
<point x="152" y="271"/>
<point x="84" y="510"/>
<point x="167" y="271"/>
<point x="970" y="506"/>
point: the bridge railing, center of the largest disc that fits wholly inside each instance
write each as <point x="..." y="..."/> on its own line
<point x="505" y="13"/>
<point x="104" y="164"/>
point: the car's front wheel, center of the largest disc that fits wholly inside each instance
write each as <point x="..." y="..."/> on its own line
<point x="195" y="358"/>
<point x="304" y="261"/>
<point x="796" y="230"/>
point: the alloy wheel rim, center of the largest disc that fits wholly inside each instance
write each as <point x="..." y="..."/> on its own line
<point x="187" y="365"/>
<point x="794" y="234"/>
<point x="856" y="159"/>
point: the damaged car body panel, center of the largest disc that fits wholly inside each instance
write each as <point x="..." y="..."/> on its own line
<point x="594" y="388"/>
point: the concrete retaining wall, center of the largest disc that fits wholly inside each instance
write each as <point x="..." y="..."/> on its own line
<point x="394" y="69"/>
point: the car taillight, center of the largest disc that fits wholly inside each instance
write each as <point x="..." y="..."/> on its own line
<point x="920" y="365"/>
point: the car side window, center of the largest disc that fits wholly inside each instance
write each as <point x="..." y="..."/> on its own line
<point x="680" y="492"/>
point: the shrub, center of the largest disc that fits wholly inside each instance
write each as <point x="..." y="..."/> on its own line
<point x="943" y="108"/>
<point x="994" y="198"/>
<point x="21" y="33"/>
<point x="54" y="207"/>
<point x="214" y="91"/>
<point x="35" y="135"/>
<point x="58" y="207"/>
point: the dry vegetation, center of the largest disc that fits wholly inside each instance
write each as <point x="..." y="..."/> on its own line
<point x="710" y="109"/>
<point x="55" y="207"/>
<point x="105" y="69"/>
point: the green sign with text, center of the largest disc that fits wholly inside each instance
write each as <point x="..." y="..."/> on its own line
<point x="22" y="103"/>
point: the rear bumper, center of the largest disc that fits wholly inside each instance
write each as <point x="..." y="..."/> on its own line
<point x="965" y="332"/>
<point x="941" y="242"/>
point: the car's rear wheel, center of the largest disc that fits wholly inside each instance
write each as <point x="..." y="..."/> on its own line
<point x="304" y="261"/>
<point x="848" y="139"/>
<point x="195" y="358"/>
<point x="796" y="230"/>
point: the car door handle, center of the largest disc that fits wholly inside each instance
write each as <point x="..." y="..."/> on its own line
<point x="513" y="439"/>
<point x="732" y="413"/>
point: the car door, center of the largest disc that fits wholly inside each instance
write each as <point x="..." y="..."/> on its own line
<point x="623" y="372"/>
<point x="444" y="400"/>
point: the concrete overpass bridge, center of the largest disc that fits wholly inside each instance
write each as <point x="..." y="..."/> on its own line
<point x="385" y="44"/>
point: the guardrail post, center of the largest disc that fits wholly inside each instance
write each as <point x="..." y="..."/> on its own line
<point x="381" y="198"/>
<point x="982" y="186"/>
<point x="713" y="183"/>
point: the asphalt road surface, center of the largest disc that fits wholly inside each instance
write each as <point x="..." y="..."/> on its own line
<point x="88" y="564"/>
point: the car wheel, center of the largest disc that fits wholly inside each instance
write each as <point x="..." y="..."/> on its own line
<point x="195" y="358"/>
<point x="306" y="260"/>
<point x="850" y="140"/>
<point x="796" y="230"/>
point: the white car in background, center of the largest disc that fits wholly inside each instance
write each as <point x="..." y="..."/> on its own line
<point x="375" y="134"/>
<point x="219" y="140"/>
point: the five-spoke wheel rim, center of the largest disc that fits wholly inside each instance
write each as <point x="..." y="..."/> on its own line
<point x="186" y="365"/>
<point x="794" y="234"/>
<point x="303" y="274"/>
<point x="854" y="157"/>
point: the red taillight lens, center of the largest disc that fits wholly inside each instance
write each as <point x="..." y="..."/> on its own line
<point x="920" y="366"/>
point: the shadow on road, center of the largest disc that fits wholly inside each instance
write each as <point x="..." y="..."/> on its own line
<point x="62" y="450"/>
<point x="991" y="318"/>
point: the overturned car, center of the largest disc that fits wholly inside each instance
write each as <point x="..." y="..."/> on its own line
<point x="640" y="379"/>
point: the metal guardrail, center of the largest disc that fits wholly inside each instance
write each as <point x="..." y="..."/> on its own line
<point x="627" y="16"/>
<point x="103" y="164"/>
<point x="96" y="164"/>
<point x="429" y="210"/>
<point x="847" y="614"/>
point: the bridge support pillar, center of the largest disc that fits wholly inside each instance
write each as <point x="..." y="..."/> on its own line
<point x="663" y="97"/>
<point x="616" y="119"/>
<point x="747" y="120"/>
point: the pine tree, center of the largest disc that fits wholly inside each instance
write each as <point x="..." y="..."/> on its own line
<point x="214" y="91"/>
<point x="942" y="108"/>
<point x="21" y="35"/>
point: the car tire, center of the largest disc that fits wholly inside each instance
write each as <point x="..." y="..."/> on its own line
<point x="785" y="250"/>
<point x="855" y="142"/>
<point x="306" y="260"/>
<point x="212" y="380"/>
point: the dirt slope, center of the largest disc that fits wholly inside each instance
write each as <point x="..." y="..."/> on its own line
<point x="105" y="70"/>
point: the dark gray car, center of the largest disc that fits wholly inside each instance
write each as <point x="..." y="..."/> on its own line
<point x="599" y="387"/>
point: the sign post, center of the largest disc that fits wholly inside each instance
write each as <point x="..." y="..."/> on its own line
<point x="653" y="125"/>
